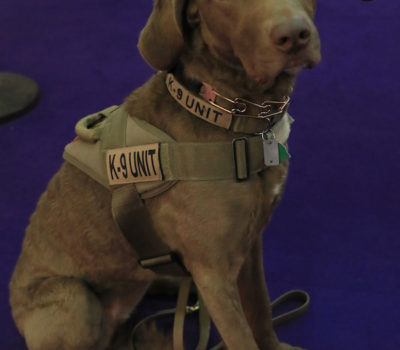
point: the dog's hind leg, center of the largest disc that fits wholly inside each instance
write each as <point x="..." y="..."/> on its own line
<point x="64" y="314"/>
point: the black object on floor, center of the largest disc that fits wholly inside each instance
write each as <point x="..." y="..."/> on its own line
<point x="18" y="95"/>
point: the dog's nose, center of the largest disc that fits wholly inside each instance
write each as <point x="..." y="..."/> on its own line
<point x="291" y="35"/>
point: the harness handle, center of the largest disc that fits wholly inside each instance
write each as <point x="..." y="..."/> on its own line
<point x="89" y="128"/>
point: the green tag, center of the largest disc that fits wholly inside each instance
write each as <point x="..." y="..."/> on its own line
<point x="283" y="153"/>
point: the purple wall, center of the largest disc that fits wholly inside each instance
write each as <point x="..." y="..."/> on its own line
<point x="336" y="233"/>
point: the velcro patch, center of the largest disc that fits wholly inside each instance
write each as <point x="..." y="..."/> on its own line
<point x="133" y="164"/>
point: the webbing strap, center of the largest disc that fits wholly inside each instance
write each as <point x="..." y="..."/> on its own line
<point x="186" y="161"/>
<point x="293" y="295"/>
<point x="211" y="160"/>
<point x="180" y="313"/>
<point x="232" y="116"/>
<point x="89" y="128"/>
<point x="134" y="221"/>
<point x="114" y="129"/>
<point x="182" y="310"/>
<point x="250" y="125"/>
<point x="136" y="154"/>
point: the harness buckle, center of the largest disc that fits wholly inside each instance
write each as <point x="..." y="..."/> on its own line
<point x="240" y="147"/>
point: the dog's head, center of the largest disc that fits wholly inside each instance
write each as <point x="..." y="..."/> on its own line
<point x="265" y="38"/>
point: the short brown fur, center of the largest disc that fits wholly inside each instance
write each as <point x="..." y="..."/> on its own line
<point x="77" y="279"/>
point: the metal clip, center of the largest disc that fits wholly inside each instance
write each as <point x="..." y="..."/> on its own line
<point x="265" y="112"/>
<point x="267" y="135"/>
<point x="239" y="106"/>
<point x="193" y="308"/>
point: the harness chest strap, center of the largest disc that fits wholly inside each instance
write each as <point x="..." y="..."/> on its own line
<point x="135" y="160"/>
<point x="186" y="161"/>
<point x="137" y="152"/>
<point x="100" y="133"/>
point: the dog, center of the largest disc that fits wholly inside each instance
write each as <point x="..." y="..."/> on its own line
<point x="77" y="279"/>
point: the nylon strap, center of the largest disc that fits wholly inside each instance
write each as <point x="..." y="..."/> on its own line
<point x="146" y="150"/>
<point x="89" y="128"/>
<point x="228" y="117"/>
<point x="196" y="105"/>
<point x="180" y="312"/>
<point x="209" y="161"/>
<point x="183" y="296"/>
<point x="200" y="161"/>
<point x="134" y="221"/>
<point x="293" y="295"/>
<point x="205" y="325"/>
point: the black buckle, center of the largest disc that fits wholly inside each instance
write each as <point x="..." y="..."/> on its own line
<point x="242" y="152"/>
<point x="157" y="260"/>
<point x="166" y="264"/>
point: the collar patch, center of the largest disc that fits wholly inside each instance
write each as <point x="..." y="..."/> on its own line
<point x="197" y="106"/>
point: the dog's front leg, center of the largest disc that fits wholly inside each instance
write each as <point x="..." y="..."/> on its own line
<point x="218" y="288"/>
<point x="255" y="298"/>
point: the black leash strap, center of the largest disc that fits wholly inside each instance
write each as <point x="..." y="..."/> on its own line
<point x="293" y="295"/>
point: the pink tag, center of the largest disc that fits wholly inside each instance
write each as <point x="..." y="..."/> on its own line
<point x="208" y="93"/>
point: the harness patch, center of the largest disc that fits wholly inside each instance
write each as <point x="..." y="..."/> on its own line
<point x="133" y="164"/>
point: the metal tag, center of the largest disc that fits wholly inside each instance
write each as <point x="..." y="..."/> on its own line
<point x="271" y="152"/>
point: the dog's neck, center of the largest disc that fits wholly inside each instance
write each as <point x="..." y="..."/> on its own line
<point x="200" y="65"/>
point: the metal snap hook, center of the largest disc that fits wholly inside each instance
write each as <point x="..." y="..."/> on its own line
<point x="239" y="106"/>
<point x="267" y="135"/>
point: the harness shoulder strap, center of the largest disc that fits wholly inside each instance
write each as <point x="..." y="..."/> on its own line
<point x="135" y="223"/>
<point x="105" y="130"/>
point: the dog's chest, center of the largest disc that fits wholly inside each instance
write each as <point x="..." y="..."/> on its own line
<point x="194" y="217"/>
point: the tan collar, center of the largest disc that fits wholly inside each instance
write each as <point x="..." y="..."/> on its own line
<point x="238" y="115"/>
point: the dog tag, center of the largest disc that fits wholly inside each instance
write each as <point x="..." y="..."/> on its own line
<point x="271" y="152"/>
<point x="274" y="152"/>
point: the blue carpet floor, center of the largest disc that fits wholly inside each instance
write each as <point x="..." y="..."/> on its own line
<point x="336" y="232"/>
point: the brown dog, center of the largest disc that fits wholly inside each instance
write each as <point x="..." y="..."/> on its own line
<point x="77" y="279"/>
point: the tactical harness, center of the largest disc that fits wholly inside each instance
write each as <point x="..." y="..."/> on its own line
<point x="137" y="161"/>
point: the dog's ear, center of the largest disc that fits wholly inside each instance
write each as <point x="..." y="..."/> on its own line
<point x="314" y="7"/>
<point x="161" y="40"/>
<point x="314" y="2"/>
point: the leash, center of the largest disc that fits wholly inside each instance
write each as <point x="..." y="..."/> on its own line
<point x="182" y="309"/>
<point x="180" y="312"/>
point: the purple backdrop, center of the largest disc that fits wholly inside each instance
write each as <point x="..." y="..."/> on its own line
<point x="336" y="233"/>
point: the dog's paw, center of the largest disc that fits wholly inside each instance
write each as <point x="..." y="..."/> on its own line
<point x="150" y="338"/>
